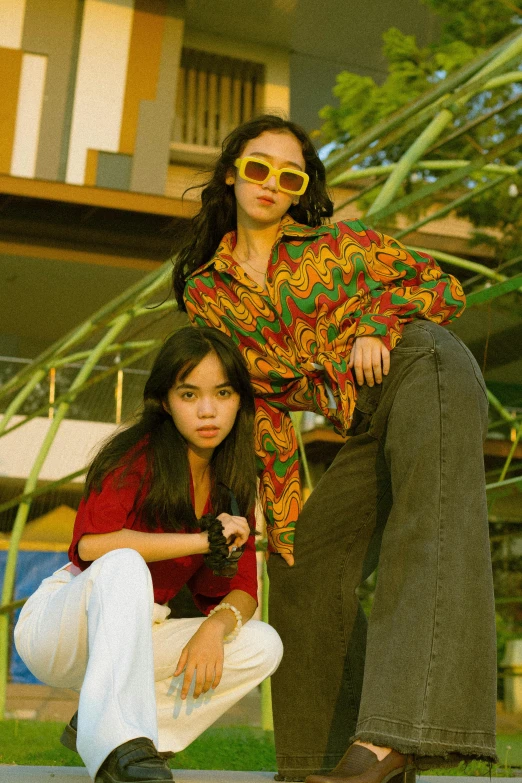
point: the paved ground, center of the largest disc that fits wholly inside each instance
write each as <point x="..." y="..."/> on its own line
<point x="10" y="774"/>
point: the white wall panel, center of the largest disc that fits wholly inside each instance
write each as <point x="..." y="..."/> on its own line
<point x="12" y="13"/>
<point x="29" y="114"/>
<point x="74" y="447"/>
<point x="100" y="82"/>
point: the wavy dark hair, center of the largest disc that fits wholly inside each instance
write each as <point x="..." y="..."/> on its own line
<point x="217" y="215"/>
<point x="164" y="493"/>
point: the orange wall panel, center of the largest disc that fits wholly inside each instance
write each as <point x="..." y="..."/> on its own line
<point x="10" y="72"/>
<point x="144" y="63"/>
<point x="91" y="167"/>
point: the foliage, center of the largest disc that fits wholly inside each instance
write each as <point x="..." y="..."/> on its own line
<point x="411" y="71"/>
<point x="220" y="747"/>
<point x="468" y="28"/>
<point x="478" y="22"/>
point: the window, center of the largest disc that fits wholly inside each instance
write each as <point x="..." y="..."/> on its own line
<point x="215" y="94"/>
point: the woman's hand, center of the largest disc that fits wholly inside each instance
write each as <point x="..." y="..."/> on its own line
<point x="203" y="657"/>
<point x="287" y="557"/>
<point x="370" y="359"/>
<point x="235" y="529"/>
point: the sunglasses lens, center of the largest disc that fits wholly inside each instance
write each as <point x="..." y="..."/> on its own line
<point x="292" y="181"/>
<point x="256" y="170"/>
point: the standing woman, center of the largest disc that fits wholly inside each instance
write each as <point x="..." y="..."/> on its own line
<point x="147" y="526"/>
<point x="344" y="321"/>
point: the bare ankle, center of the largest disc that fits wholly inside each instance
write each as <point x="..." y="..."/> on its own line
<point x="379" y="751"/>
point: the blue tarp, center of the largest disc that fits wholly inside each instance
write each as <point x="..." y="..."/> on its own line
<point x="31" y="569"/>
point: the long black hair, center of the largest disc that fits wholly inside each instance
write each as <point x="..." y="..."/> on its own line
<point x="217" y="215"/>
<point x="164" y="495"/>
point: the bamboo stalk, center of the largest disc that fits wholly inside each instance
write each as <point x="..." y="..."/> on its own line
<point x="452" y="178"/>
<point x="511" y="454"/>
<point x="507" y="53"/>
<point x="428" y="99"/>
<point x="476" y="122"/>
<point x="11" y="607"/>
<point x="141" y="290"/>
<point x="499" y="424"/>
<point x="353" y="174"/>
<point x="161" y="308"/>
<point x="20" y="398"/>
<point x="433" y="165"/>
<point x="503" y="79"/>
<point x="267" y="720"/>
<point x="116" y="348"/>
<point x="296" y="417"/>
<point x="494" y="291"/>
<point x="71" y="394"/>
<point x="440" y="121"/>
<point x="41" y="490"/>
<point x="422" y="117"/>
<point x="514" y="600"/>
<point x="411" y="156"/>
<point x="505" y="265"/>
<point x="23" y="510"/>
<point x="506" y="483"/>
<point x="463" y="263"/>
<point x="359" y="194"/>
<point x="454" y="101"/>
<point x="497" y="405"/>
<point x="451" y="206"/>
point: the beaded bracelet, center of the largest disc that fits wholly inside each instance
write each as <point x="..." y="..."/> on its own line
<point x="239" y="619"/>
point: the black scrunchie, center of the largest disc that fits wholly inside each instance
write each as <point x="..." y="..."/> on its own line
<point x="220" y="561"/>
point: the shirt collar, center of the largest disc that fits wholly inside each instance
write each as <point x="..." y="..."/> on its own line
<point x="288" y="227"/>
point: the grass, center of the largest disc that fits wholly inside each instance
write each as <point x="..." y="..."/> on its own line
<point x="232" y="748"/>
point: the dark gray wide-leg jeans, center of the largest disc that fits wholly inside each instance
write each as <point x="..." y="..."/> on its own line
<point x="406" y="492"/>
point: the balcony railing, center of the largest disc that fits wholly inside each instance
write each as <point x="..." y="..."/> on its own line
<point x="214" y="95"/>
<point x="114" y="399"/>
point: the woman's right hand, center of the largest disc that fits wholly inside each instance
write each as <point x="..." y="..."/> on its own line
<point x="235" y="529"/>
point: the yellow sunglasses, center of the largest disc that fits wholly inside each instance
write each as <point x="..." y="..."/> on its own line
<point x="288" y="180"/>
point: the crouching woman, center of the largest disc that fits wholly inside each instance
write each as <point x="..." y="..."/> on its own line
<point x="168" y="502"/>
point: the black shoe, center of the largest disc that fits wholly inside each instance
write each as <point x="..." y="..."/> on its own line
<point x="68" y="738"/>
<point x="136" y="761"/>
<point x="70" y="732"/>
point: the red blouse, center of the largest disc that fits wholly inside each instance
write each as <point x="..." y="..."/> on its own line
<point x="111" y="509"/>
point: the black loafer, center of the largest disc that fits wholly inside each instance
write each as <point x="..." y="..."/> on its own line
<point x="136" y="761"/>
<point x="68" y="738"/>
<point x="70" y="732"/>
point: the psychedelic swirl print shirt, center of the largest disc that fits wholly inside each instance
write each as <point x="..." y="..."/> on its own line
<point x="325" y="286"/>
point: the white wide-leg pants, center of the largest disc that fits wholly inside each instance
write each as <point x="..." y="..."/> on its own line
<point x="101" y="633"/>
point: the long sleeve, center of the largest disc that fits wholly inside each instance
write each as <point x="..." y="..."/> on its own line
<point x="275" y="441"/>
<point x="209" y="590"/>
<point x="280" y="490"/>
<point x="106" y="511"/>
<point x="402" y="285"/>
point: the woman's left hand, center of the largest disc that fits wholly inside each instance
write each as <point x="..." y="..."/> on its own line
<point x="370" y="359"/>
<point x="203" y="658"/>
